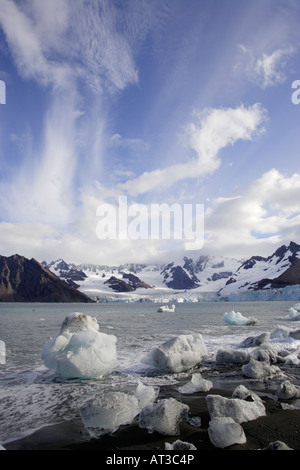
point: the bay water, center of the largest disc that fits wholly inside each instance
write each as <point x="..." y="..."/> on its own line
<point x="31" y="396"/>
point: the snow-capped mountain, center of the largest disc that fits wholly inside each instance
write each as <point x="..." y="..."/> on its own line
<point x="203" y="277"/>
<point x="278" y="271"/>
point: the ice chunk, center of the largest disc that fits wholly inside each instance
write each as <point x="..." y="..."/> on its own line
<point x="255" y="340"/>
<point x="196" y="384"/>
<point x="164" y="416"/>
<point x="224" y="432"/>
<point x="239" y="409"/>
<point x="178" y="354"/>
<point x="295" y="334"/>
<point x="259" y="370"/>
<point x="287" y="390"/>
<point x="145" y="394"/>
<point x="293" y="315"/>
<point x="277" y="445"/>
<point x="106" y="413"/>
<point x="265" y="352"/>
<point x="180" y="445"/>
<point x="236" y="318"/>
<point x="232" y="356"/>
<point x="166" y="308"/>
<point x="2" y="352"/>
<point x="80" y="350"/>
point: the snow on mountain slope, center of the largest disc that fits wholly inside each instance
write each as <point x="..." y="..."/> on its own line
<point x="259" y="273"/>
<point x="202" y="277"/>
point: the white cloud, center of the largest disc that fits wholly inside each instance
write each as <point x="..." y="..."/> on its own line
<point x="266" y="213"/>
<point x="212" y="130"/>
<point x="265" y="69"/>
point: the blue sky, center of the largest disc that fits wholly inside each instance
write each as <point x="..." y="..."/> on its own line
<point x="182" y="101"/>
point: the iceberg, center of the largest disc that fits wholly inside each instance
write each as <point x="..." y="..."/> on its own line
<point x="293" y="315"/>
<point x="80" y="350"/>
<point x="236" y="318"/>
<point x="164" y="416"/>
<point x="166" y="308"/>
<point x="177" y="354"/>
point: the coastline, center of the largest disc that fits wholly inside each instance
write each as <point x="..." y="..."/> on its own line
<point x="279" y="424"/>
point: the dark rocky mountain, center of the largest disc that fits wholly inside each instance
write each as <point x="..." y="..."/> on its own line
<point x="24" y="280"/>
<point x="120" y="285"/>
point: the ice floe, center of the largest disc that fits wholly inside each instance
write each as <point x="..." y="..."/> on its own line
<point x="236" y="318"/>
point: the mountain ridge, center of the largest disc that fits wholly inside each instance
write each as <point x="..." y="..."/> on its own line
<point x="207" y="276"/>
<point x="26" y="280"/>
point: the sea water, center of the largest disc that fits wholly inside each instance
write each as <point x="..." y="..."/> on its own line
<point x="31" y="396"/>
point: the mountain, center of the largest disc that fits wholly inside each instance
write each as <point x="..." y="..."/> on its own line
<point x="280" y="270"/>
<point x="24" y="280"/>
<point x="199" y="277"/>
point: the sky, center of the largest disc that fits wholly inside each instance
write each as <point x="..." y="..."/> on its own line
<point x="185" y="102"/>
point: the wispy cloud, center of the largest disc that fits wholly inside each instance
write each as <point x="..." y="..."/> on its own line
<point x="211" y="131"/>
<point x="265" y="69"/>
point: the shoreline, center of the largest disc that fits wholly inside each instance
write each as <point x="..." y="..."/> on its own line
<point x="278" y="425"/>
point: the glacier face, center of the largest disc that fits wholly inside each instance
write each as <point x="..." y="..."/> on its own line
<point x="276" y="277"/>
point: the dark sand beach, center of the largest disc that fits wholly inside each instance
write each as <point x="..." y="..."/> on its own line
<point x="279" y="424"/>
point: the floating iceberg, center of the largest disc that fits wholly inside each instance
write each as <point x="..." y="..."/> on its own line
<point x="164" y="416"/>
<point x="166" y="308"/>
<point x="177" y="354"/>
<point x="196" y="384"/>
<point x="80" y="350"/>
<point x="236" y="318"/>
<point x="293" y="315"/>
